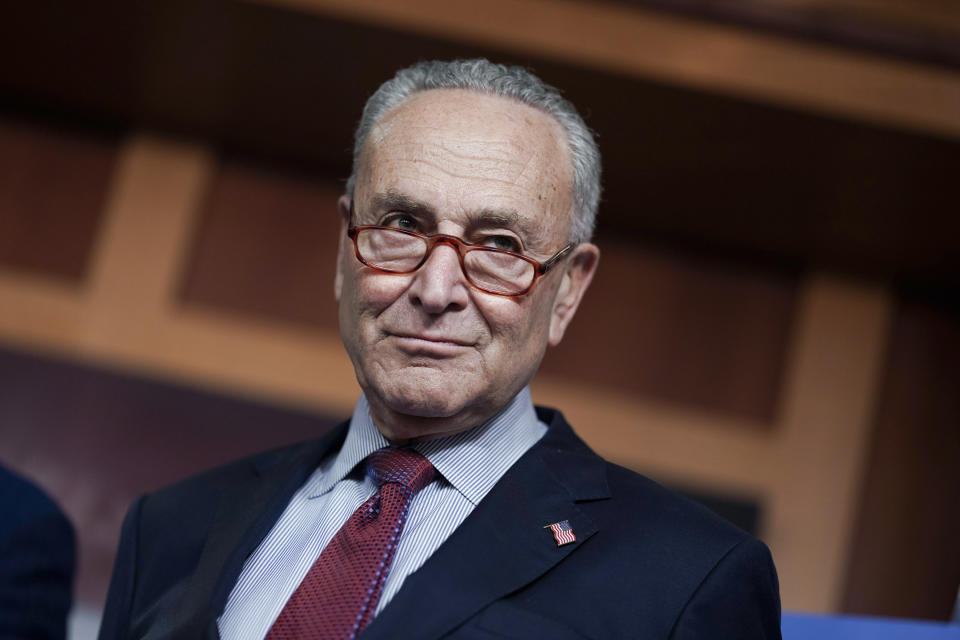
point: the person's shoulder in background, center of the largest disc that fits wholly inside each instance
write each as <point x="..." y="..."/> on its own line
<point x="37" y="553"/>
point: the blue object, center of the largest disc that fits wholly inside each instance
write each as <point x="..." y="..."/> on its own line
<point x="801" y="626"/>
<point x="36" y="562"/>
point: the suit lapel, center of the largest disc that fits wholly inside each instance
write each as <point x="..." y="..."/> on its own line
<point x="245" y="513"/>
<point x="503" y="544"/>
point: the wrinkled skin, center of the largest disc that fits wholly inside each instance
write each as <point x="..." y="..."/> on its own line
<point x="433" y="355"/>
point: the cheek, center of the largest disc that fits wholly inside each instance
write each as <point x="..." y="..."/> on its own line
<point x="517" y="326"/>
<point x="369" y="294"/>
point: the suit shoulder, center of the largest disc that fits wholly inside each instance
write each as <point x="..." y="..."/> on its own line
<point x="667" y="513"/>
<point x="226" y="474"/>
<point x="208" y="486"/>
<point x="669" y="557"/>
<point x="647" y="530"/>
<point x="227" y="470"/>
<point x="189" y="503"/>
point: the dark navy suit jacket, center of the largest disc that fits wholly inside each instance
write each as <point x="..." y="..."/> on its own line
<point x="646" y="563"/>
<point x="36" y="562"/>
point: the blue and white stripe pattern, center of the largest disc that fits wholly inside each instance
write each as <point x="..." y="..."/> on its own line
<point x="469" y="464"/>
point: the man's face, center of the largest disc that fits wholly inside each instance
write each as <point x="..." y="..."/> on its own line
<point x="433" y="354"/>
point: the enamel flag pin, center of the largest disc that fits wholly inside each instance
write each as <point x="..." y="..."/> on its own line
<point x="562" y="532"/>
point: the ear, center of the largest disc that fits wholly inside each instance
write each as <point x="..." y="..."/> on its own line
<point x="577" y="276"/>
<point x="343" y="247"/>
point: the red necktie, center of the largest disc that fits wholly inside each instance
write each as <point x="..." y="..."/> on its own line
<point x="339" y="595"/>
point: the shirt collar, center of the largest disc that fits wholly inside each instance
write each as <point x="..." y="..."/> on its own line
<point x="363" y="438"/>
<point x="472" y="461"/>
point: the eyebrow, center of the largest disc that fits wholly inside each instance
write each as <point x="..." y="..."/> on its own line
<point x="484" y="218"/>
<point x="503" y="218"/>
<point x="392" y="200"/>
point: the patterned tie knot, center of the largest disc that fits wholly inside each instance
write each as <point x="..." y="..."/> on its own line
<point x="404" y="466"/>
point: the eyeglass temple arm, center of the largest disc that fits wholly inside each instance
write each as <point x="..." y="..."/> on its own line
<point x="549" y="264"/>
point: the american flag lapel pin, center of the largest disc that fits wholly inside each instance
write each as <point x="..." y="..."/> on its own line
<point x="562" y="532"/>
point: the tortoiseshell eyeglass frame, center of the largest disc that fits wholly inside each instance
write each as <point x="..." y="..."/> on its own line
<point x="462" y="247"/>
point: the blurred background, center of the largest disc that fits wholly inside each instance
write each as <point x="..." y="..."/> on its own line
<point x="774" y="330"/>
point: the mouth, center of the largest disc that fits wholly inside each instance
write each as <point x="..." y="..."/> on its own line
<point x="421" y="344"/>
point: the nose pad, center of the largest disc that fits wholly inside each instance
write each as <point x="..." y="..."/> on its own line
<point x="440" y="284"/>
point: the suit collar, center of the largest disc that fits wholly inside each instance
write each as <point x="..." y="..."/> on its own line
<point x="278" y="476"/>
<point x="267" y="484"/>
<point x="474" y="460"/>
<point x="361" y="440"/>
<point x="570" y="461"/>
<point x="503" y="544"/>
<point x="270" y="462"/>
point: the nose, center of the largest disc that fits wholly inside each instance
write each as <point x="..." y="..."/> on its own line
<point x="440" y="285"/>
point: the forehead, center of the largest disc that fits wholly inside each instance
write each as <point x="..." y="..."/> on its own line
<point x="460" y="150"/>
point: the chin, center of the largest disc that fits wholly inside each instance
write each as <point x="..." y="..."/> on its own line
<point x="424" y="403"/>
<point x="422" y="392"/>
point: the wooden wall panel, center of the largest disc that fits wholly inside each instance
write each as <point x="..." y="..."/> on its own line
<point x="905" y="560"/>
<point x="682" y="329"/>
<point x="53" y="184"/>
<point x="830" y="391"/>
<point x="266" y="245"/>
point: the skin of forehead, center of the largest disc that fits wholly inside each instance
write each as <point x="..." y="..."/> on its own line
<point x="527" y="148"/>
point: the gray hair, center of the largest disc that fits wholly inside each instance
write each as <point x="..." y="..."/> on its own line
<point x="510" y="82"/>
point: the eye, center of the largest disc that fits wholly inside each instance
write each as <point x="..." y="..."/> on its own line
<point x="503" y="242"/>
<point x="401" y="221"/>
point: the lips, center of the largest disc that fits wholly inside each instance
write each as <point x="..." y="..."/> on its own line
<point x="428" y="339"/>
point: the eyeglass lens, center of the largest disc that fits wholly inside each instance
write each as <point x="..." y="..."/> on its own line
<point x="487" y="269"/>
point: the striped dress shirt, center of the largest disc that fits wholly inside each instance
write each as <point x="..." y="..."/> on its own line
<point x="469" y="464"/>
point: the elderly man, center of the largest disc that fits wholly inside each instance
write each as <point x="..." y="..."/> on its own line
<point x="447" y="507"/>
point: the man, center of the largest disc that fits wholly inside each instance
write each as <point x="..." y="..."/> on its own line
<point x="447" y="507"/>
<point x="37" y="550"/>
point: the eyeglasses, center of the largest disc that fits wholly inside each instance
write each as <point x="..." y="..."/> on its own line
<point x="496" y="271"/>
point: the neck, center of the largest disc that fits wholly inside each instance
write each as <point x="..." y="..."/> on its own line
<point x="404" y="429"/>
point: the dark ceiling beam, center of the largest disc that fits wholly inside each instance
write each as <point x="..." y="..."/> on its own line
<point x="697" y="54"/>
<point x="925" y="32"/>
